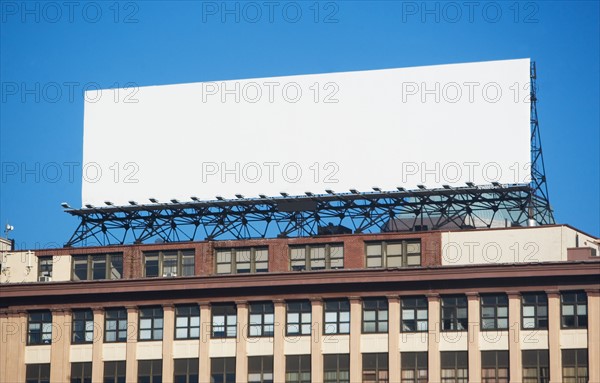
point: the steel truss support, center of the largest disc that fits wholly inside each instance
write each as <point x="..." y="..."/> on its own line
<point x="413" y="210"/>
<point x="540" y="207"/>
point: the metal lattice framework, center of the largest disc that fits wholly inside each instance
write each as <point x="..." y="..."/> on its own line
<point x="402" y="210"/>
<point x="413" y="210"/>
<point x="542" y="212"/>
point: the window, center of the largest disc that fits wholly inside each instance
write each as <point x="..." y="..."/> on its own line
<point x="150" y="371"/>
<point x="260" y="369"/>
<point x="185" y="370"/>
<point x="575" y="365"/>
<point x="494" y="367"/>
<point x="494" y="312"/>
<point x="44" y="267"/>
<point x="337" y="317"/>
<point x="394" y="254"/>
<point x="261" y="319"/>
<point x="574" y="310"/>
<point x="317" y="257"/>
<point x="224" y="321"/>
<point x="299" y="318"/>
<point x="151" y="323"/>
<point x="535" y="311"/>
<point x="414" y="367"/>
<point x="375" y="368"/>
<point x="414" y="314"/>
<point x="80" y="268"/>
<point x="222" y="370"/>
<point x="535" y="366"/>
<point x="114" y="372"/>
<point x="375" y="315"/>
<point x="297" y="369"/>
<point x="81" y="372"/>
<point x="115" y="325"/>
<point x="97" y="266"/>
<point x="37" y="373"/>
<point x="336" y="368"/>
<point x="242" y="260"/>
<point x="454" y="313"/>
<point x="169" y="263"/>
<point x="39" y="328"/>
<point x="455" y="367"/>
<point x="83" y="326"/>
<point x="151" y="262"/>
<point x="187" y="322"/>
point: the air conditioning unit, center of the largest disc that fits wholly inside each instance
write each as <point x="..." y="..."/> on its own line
<point x="44" y="278"/>
<point x="169" y="274"/>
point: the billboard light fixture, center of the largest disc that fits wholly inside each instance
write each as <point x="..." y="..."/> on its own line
<point x="353" y="191"/>
<point x="219" y="198"/>
<point x="65" y="205"/>
<point x="377" y="189"/>
<point x="470" y="184"/>
<point x="89" y="206"/>
<point x="422" y="187"/>
<point x="108" y="203"/>
<point x="153" y="200"/>
<point x="195" y="199"/>
<point x="262" y="196"/>
<point x="310" y="194"/>
<point x="239" y="196"/>
<point x="400" y="188"/>
<point x="133" y="203"/>
<point x="284" y="194"/>
<point x="174" y="200"/>
<point x="329" y="191"/>
<point x="446" y="186"/>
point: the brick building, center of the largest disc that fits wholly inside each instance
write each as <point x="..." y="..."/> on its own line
<point x="485" y="305"/>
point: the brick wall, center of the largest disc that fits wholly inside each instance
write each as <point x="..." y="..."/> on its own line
<point x="354" y="250"/>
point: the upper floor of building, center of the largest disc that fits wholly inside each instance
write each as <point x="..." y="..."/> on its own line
<point x="392" y="250"/>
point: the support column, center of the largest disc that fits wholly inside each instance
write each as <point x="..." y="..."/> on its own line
<point x="593" y="299"/>
<point x="473" y="337"/>
<point x="204" y="351"/>
<point x="241" y="355"/>
<point x="97" y="349"/>
<point x="12" y="350"/>
<point x="131" y="366"/>
<point x="316" y="352"/>
<point x="355" y="333"/>
<point x="514" y="337"/>
<point x="167" y="342"/>
<point x="61" y="344"/>
<point x="394" y="338"/>
<point x="433" y="339"/>
<point x="555" y="361"/>
<point x="278" y="342"/>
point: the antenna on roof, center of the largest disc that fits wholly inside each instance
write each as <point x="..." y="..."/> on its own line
<point x="7" y="229"/>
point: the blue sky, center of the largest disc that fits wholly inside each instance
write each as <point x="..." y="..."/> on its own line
<point x="51" y="52"/>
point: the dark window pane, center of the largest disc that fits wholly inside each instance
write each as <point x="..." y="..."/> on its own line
<point x="222" y="370"/>
<point x="99" y="267"/>
<point x="80" y="268"/>
<point x="152" y="265"/>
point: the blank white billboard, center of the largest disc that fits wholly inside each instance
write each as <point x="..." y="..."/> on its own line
<point x="434" y="125"/>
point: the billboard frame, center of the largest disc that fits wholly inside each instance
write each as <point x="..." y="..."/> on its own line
<point x="298" y="216"/>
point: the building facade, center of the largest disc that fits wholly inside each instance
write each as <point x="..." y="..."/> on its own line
<point x="485" y="305"/>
